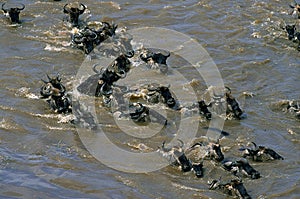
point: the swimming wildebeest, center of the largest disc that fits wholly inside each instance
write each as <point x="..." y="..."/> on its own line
<point x="55" y="94"/>
<point x="210" y="150"/>
<point x="85" y="39"/>
<point x="74" y="13"/>
<point x="234" y="188"/>
<point x="14" y="13"/>
<point x="155" y="59"/>
<point x="159" y="93"/>
<point x="176" y="154"/>
<point x="139" y="113"/>
<point x="291" y="31"/>
<point x="233" y="105"/>
<point x="241" y="166"/>
<point x="260" y="153"/>
<point x="52" y="85"/>
<point x="203" y="109"/>
<point x="115" y="71"/>
<point x="107" y="30"/>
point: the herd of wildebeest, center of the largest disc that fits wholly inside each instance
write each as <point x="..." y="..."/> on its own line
<point x="103" y="83"/>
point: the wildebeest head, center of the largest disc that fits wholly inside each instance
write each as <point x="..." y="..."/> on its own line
<point x="14" y="13"/>
<point x="148" y="55"/>
<point x="291" y="30"/>
<point x="52" y="87"/>
<point x="233" y="105"/>
<point x="213" y="150"/>
<point x="107" y="30"/>
<point x="140" y="112"/>
<point x="74" y="13"/>
<point x="234" y="188"/>
<point x="245" y="167"/>
<point x="239" y="189"/>
<point x="85" y="39"/>
<point x="198" y="169"/>
<point x="203" y="109"/>
<point x="217" y="152"/>
<point x="121" y="65"/>
<point x="178" y="154"/>
<point x="167" y="96"/>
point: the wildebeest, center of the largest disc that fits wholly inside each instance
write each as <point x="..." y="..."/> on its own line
<point x="233" y="105"/>
<point x="203" y="109"/>
<point x="139" y="113"/>
<point x="197" y="168"/>
<point x="85" y="39"/>
<point x="291" y="31"/>
<point x="210" y="150"/>
<point x="240" y="166"/>
<point x="160" y="93"/>
<point x="55" y="94"/>
<point x="233" y="188"/>
<point x="53" y="83"/>
<point x="260" y="153"/>
<point x="115" y="71"/>
<point x="177" y="155"/>
<point x="74" y="13"/>
<point x="155" y="59"/>
<point x="105" y="31"/>
<point x="14" y="13"/>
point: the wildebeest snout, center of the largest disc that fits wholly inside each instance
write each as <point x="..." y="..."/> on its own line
<point x="198" y="169"/>
<point x="291" y="30"/>
<point x="52" y="86"/>
<point x="14" y="13"/>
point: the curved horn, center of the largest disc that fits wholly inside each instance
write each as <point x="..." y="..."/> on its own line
<point x="122" y="74"/>
<point x="44" y="81"/>
<point x="141" y="109"/>
<point x="22" y="8"/>
<point x="84" y="7"/>
<point x="49" y="78"/>
<point x="97" y="71"/>
<point x="129" y="54"/>
<point x="254" y="145"/>
<point x="181" y="142"/>
<point x="77" y="40"/>
<point x="164" y="148"/>
<point x="95" y="35"/>
<point x="229" y="90"/>
<point x="66" y="10"/>
<point x="105" y="92"/>
<point x="5" y="10"/>
<point x="198" y="143"/>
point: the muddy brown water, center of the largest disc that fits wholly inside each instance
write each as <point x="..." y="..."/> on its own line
<point x="43" y="157"/>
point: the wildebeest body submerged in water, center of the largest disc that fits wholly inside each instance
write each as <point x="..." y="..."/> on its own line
<point x="55" y="94"/>
<point x="14" y="12"/>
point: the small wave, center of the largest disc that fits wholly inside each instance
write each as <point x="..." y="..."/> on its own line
<point x="112" y="4"/>
<point x="54" y="48"/>
<point x="7" y="124"/>
<point x="61" y="118"/>
<point x="186" y="187"/>
<point x="25" y="92"/>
